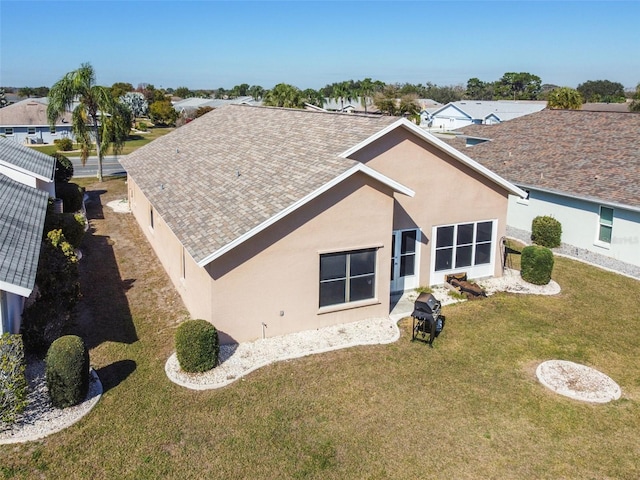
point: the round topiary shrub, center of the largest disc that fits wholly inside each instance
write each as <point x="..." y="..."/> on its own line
<point x="546" y="231"/>
<point x="197" y="346"/>
<point x="536" y="264"/>
<point x="67" y="371"/>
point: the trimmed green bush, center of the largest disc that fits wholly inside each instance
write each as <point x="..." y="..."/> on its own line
<point x="71" y="224"/>
<point x="64" y="168"/>
<point x="64" y="144"/>
<point x="67" y="371"/>
<point x="13" y="383"/>
<point x="197" y="346"/>
<point x="536" y="264"/>
<point x="71" y="195"/>
<point x="546" y="231"/>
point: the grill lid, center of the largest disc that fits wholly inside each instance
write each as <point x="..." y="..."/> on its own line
<point x="426" y="302"/>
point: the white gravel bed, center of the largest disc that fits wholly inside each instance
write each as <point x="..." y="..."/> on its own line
<point x="40" y="418"/>
<point x="119" y="206"/>
<point x="577" y="381"/>
<point x="237" y="360"/>
<point x="512" y="282"/>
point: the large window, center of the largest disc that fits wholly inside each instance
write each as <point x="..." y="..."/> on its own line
<point x="605" y="224"/>
<point x="347" y="276"/>
<point x="463" y="245"/>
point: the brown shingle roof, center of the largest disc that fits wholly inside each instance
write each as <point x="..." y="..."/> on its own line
<point x="593" y="155"/>
<point x="227" y="172"/>
<point x="29" y="112"/>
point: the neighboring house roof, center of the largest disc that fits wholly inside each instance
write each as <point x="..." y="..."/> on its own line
<point x="590" y="155"/>
<point x="22" y="212"/>
<point x="354" y="104"/>
<point x="606" y="107"/>
<point x="30" y="112"/>
<point x="27" y="160"/>
<point x="502" y="109"/>
<point x="195" y="103"/>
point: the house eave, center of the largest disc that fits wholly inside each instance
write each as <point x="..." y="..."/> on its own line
<point x="28" y="172"/>
<point x="18" y="290"/>
<point x="584" y="198"/>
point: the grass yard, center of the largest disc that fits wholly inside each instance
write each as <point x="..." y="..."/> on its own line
<point x="135" y="141"/>
<point x="470" y="408"/>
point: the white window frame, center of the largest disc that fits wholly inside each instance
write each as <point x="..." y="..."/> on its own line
<point x="348" y="277"/>
<point x="602" y="223"/>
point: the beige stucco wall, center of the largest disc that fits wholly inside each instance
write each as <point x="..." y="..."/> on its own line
<point x="273" y="278"/>
<point x="447" y="191"/>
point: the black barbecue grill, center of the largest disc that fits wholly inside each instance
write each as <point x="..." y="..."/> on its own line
<point x="427" y="319"/>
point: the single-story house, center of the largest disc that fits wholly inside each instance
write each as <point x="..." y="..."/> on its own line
<point x="26" y="183"/>
<point x="455" y="115"/>
<point x="26" y="122"/>
<point x="189" y="106"/>
<point x="270" y="221"/>
<point x="581" y="167"/>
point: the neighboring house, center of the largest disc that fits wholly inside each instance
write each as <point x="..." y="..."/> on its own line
<point x="27" y="166"/>
<point x="26" y="183"/>
<point x="455" y="115"/>
<point x="271" y="221"/>
<point x="189" y="106"/>
<point x="26" y="122"/>
<point x="22" y="213"/>
<point x="581" y="167"/>
<point x="349" y="105"/>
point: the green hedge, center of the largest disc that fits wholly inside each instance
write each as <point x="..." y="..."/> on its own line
<point x="71" y="224"/>
<point x="546" y="231"/>
<point x="536" y="264"/>
<point x="71" y="195"/>
<point x="13" y="383"/>
<point x="64" y="168"/>
<point x="64" y="144"/>
<point x="197" y="346"/>
<point x="67" y="371"/>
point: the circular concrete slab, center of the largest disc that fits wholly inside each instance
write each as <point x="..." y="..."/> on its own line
<point x="577" y="381"/>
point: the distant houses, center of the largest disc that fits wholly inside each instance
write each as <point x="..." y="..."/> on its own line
<point x="26" y="122"/>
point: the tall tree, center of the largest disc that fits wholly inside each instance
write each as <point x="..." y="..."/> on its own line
<point x="342" y="91"/>
<point x="519" y="86"/>
<point x="564" y="98"/>
<point x="367" y="89"/>
<point x="256" y="91"/>
<point x="284" y="95"/>
<point x="602" y="91"/>
<point x="120" y="89"/>
<point x="96" y="116"/>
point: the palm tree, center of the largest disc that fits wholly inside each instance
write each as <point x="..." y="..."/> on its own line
<point x="366" y="92"/>
<point x="342" y="91"/>
<point x="564" y="98"/>
<point x="96" y="116"/>
<point x="284" y="95"/>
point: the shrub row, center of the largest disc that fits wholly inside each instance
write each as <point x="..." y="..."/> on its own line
<point x="64" y="144"/>
<point x="71" y="195"/>
<point x="13" y="383"/>
<point x="197" y="346"/>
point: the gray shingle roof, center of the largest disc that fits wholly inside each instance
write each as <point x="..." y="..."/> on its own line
<point x="27" y="159"/>
<point x="22" y="212"/>
<point x="234" y="168"/>
<point x="503" y="109"/>
<point x="593" y="155"/>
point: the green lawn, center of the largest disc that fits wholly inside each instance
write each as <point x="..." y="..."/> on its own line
<point x="134" y="142"/>
<point x="470" y="408"/>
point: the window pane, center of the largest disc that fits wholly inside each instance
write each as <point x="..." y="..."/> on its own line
<point x="443" y="259"/>
<point x="407" y="265"/>
<point x="483" y="253"/>
<point x="606" y="216"/>
<point x="463" y="256"/>
<point x="483" y="231"/>
<point x="332" y="293"/>
<point x="361" y="288"/>
<point x="408" y="242"/>
<point x="605" y="234"/>
<point x="362" y="262"/>
<point x="333" y="265"/>
<point x="465" y="234"/>
<point x="444" y="237"/>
